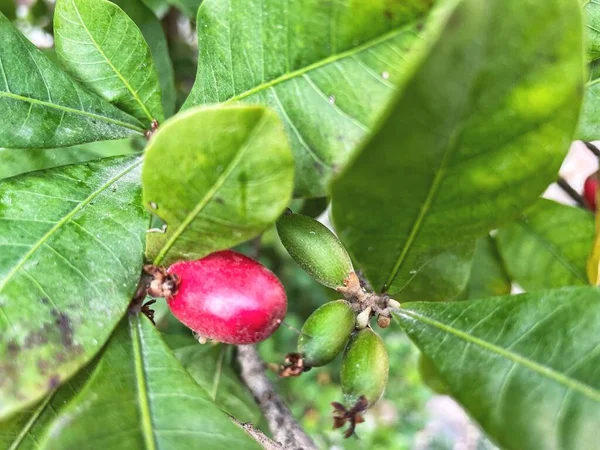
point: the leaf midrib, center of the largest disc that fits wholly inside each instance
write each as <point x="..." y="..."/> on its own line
<point x="111" y="65"/>
<point x="64" y="221"/>
<point x="534" y="366"/>
<point x="71" y="110"/>
<point x="141" y="385"/>
<point x="30" y="423"/>
<point x="212" y="191"/>
<point x="329" y="60"/>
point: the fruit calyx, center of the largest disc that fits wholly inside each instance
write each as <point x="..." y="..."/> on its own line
<point x="367" y="304"/>
<point x="353" y="415"/>
<point x="163" y="283"/>
<point x="293" y="366"/>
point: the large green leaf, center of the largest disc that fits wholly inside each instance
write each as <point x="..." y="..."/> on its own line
<point x="465" y="149"/>
<point x="217" y="176"/>
<point x="72" y="248"/>
<point x="525" y="367"/>
<point x="442" y="278"/>
<point x="26" y="429"/>
<point x="102" y="47"/>
<point x="43" y="108"/>
<point x="155" y="37"/>
<point x="209" y="366"/>
<point x="328" y="69"/>
<point x="17" y="161"/>
<point x="488" y="276"/>
<point x="140" y="397"/>
<point x="548" y="246"/>
<point x="589" y="126"/>
<point x="592" y="18"/>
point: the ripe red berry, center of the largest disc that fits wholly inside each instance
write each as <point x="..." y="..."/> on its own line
<point x="228" y="297"/>
<point x="590" y="190"/>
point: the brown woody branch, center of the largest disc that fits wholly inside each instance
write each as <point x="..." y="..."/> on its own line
<point x="286" y="430"/>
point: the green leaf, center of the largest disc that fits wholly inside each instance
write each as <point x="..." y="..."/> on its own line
<point x="465" y="150"/>
<point x="327" y="68"/>
<point x="26" y="429"/>
<point x="71" y="257"/>
<point x="140" y="397"/>
<point x="43" y="107"/>
<point x="592" y="15"/>
<point x="104" y="49"/>
<point x="16" y="161"/>
<point x="488" y="275"/>
<point x="525" y="367"/>
<point x="441" y="278"/>
<point x="217" y="176"/>
<point x="155" y="37"/>
<point x="8" y="8"/>
<point x="548" y="246"/>
<point x="208" y="365"/>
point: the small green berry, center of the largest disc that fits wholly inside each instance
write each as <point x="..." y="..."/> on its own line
<point x="326" y="332"/>
<point x="365" y="368"/>
<point x="315" y="248"/>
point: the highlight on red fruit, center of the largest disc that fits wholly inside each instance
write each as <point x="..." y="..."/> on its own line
<point x="228" y="297"/>
<point x="590" y="190"/>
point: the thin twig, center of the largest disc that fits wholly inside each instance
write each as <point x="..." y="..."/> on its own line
<point x="286" y="430"/>
<point x="257" y="435"/>
<point x="570" y="191"/>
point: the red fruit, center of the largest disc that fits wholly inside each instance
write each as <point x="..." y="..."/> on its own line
<point x="590" y="190"/>
<point x="228" y="297"/>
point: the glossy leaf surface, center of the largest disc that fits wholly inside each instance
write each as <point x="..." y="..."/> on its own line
<point x="154" y="35"/>
<point x="220" y="190"/>
<point x="327" y="68"/>
<point x="101" y="46"/>
<point x="525" y="367"/>
<point x="464" y="150"/>
<point x="548" y="246"/>
<point x="488" y="276"/>
<point x="211" y="367"/>
<point x="17" y="161"/>
<point x="43" y="107"/>
<point x="140" y="397"/>
<point x="72" y="247"/>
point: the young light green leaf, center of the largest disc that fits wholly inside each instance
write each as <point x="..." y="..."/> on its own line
<point x="217" y="176"/>
<point x="140" y="397"/>
<point x="327" y="68"/>
<point x="26" y="429"/>
<point x="488" y="276"/>
<point x="154" y="35"/>
<point x="209" y="366"/>
<point x="497" y="126"/>
<point x="72" y="251"/>
<point x="44" y="108"/>
<point x="548" y="246"/>
<point x="104" y="49"/>
<point x="525" y="367"/>
<point x="17" y="161"/>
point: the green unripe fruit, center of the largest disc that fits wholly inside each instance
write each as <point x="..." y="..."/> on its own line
<point x="365" y="368"/>
<point x="315" y="248"/>
<point x="325" y="333"/>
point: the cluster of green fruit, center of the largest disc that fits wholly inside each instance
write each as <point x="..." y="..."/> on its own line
<point x="338" y="325"/>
